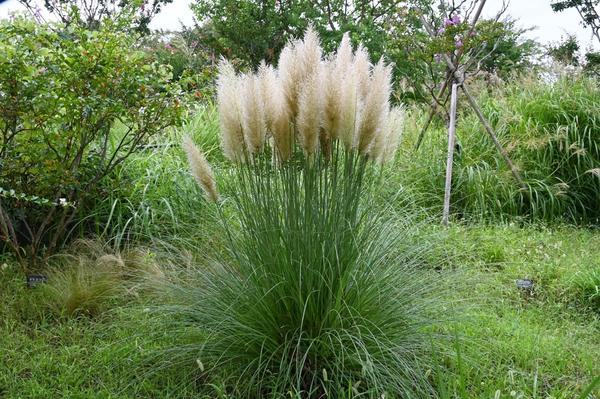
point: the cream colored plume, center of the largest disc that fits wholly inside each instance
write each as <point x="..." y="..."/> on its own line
<point x="309" y="54"/>
<point x="375" y="107"/>
<point x="335" y="72"/>
<point x="276" y="111"/>
<point x="331" y="104"/>
<point x="253" y="113"/>
<point x="394" y="131"/>
<point x="310" y="111"/>
<point x="386" y="141"/>
<point x="341" y="98"/>
<point x="362" y="69"/>
<point x="298" y="62"/>
<point x="290" y="75"/>
<point x="348" y="108"/>
<point x="232" y="138"/>
<point x="200" y="169"/>
<point x="343" y="57"/>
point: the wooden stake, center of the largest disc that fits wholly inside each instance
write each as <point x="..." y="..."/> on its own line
<point x="450" y="159"/>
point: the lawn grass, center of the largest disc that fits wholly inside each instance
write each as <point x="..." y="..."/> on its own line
<point x="511" y="344"/>
<point x="530" y="345"/>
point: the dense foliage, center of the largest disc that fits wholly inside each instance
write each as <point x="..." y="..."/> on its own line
<point x="134" y="15"/>
<point x="551" y="131"/>
<point x="192" y="63"/>
<point x="251" y="31"/>
<point x="62" y="91"/>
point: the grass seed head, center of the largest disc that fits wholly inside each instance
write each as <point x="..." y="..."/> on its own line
<point x="277" y="114"/>
<point x="393" y="131"/>
<point x="232" y="138"/>
<point x="310" y="111"/>
<point x="200" y="169"/>
<point x="376" y="106"/>
<point x="290" y="73"/>
<point x="253" y="113"/>
<point x="341" y="98"/>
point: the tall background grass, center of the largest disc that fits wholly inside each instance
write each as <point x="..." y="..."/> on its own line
<point x="552" y="133"/>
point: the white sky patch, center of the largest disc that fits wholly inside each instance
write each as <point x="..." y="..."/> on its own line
<point x="549" y="26"/>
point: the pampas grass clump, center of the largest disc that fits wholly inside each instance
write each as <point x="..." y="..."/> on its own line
<point x="314" y="298"/>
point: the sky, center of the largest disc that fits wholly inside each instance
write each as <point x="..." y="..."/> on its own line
<point x="549" y="26"/>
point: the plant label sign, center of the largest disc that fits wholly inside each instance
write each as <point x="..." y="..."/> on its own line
<point x="33" y="280"/>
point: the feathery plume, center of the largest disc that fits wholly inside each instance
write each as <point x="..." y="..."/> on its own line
<point x="343" y="57"/>
<point x="276" y="111"/>
<point x="310" y="111"/>
<point x="342" y="98"/>
<point x="232" y="139"/>
<point x="267" y="77"/>
<point x="290" y="73"/>
<point x="298" y="62"/>
<point x="253" y="113"/>
<point x="348" y="109"/>
<point x="335" y="71"/>
<point x="362" y="68"/>
<point x="376" y="105"/>
<point x="309" y="54"/>
<point x="200" y="169"/>
<point x="331" y="104"/>
<point x="394" y="127"/>
<point x="377" y="148"/>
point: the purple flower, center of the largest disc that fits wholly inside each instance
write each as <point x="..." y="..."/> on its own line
<point x="437" y="58"/>
<point x="458" y="43"/>
<point x="448" y="22"/>
<point x="441" y="30"/>
<point x="456" y="19"/>
<point x="37" y="12"/>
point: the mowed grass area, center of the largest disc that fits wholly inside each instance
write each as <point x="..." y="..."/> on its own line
<point x="544" y="344"/>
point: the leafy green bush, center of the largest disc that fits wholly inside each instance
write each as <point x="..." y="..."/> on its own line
<point x="63" y="90"/>
<point x="192" y="64"/>
<point x="552" y="133"/>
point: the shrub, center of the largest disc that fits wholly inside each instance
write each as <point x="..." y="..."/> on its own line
<point x="313" y="299"/>
<point x="62" y="91"/>
<point x="192" y="64"/>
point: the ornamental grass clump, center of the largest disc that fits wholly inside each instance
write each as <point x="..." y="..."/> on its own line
<point x="315" y="298"/>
